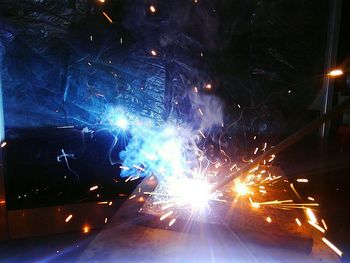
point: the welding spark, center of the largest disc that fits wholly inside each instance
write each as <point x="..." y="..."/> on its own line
<point x="311" y="215"/>
<point x="93" y="188"/>
<point x="335" y="73"/>
<point x="316" y="226"/>
<point x="166" y="215"/>
<point x="302" y="180"/>
<point x="333" y="247"/>
<point x="69" y="218"/>
<point x="324" y="224"/>
<point x="172" y="221"/>
<point x="107" y="16"/>
<point x="298" y="221"/>
<point x="152" y="9"/>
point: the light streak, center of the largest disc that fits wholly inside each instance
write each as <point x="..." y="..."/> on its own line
<point x="135" y="178"/>
<point x="200" y="111"/>
<point x="172" y="221"/>
<point x="69" y="218"/>
<point x="153" y="53"/>
<point x="124" y="167"/>
<point x="107" y="16"/>
<point x="256" y="150"/>
<point x="106" y="220"/>
<point x="166" y="215"/>
<point x="333" y="247"/>
<point x="131" y="197"/>
<point x="302" y="180"/>
<point x="201" y="133"/>
<point x="311" y="198"/>
<point x="311" y="215"/>
<point x="335" y="73"/>
<point x="3" y="144"/>
<point x="316" y="226"/>
<point x="324" y="224"/>
<point x="254" y="169"/>
<point x="138" y="168"/>
<point x="93" y="187"/>
<point x="208" y="86"/>
<point x="294" y="190"/>
<point x="298" y="221"/>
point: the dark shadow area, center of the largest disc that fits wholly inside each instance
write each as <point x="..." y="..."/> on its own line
<point x="51" y="166"/>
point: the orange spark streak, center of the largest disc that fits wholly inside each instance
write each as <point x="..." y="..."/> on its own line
<point x="108" y="18"/>
<point x="69" y="218"/>
<point x="333" y="247"/>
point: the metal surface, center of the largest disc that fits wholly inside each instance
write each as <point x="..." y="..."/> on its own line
<point x="127" y="239"/>
<point x="51" y="220"/>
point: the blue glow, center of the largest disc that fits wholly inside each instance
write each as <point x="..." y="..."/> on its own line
<point x="116" y="117"/>
<point x="161" y="150"/>
<point x="122" y="123"/>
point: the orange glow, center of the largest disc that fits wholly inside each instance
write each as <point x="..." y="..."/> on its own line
<point x="240" y="188"/>
<point x="86" y="229"/>
<point x="101" y="1"/>
<point x="311" y="215"/>
<point x="335" y="73"/>
<point x="152" y="9"/>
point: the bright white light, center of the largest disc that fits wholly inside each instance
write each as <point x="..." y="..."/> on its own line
<point x="122" y="123"/>
<point x="188" y="191"/>
<point x="241" y="188"/>
<point x="335" y="73"/>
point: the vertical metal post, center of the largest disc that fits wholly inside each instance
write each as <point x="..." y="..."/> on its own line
<point x="330" y="63"/>
<point x="4" y="234"/>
